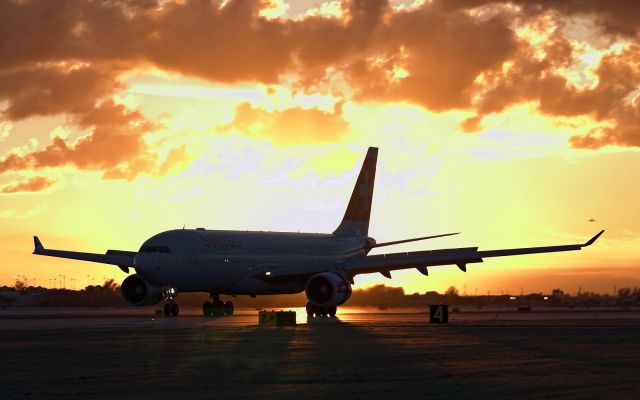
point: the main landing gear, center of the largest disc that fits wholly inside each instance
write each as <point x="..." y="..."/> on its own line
<point x="318" y="311"/>
<point x="171" y="308"/>
<point x="217" y="307"/>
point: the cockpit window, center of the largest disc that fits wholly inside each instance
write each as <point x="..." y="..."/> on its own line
<point x="155" y="249"/>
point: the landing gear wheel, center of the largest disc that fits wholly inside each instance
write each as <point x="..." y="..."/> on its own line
<point x="167" y="310"/>
<point x="322" y="312"/>
<point x="206" y="308"/>
<point x="332" y="311"/>
<point x="175" y="309"/>
<point x="228" y="308"/>
<point x="311" y="309"/>
<point x="217" y="308"/>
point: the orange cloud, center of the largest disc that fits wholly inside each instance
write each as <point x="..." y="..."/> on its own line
<point x="34" y="184"/>
<point x="115" y="145"/>
<point x="293" y="125"/>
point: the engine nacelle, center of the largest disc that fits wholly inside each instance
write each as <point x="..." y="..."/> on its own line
<point x="137" y="292"/>
<point x="328" y="289"/>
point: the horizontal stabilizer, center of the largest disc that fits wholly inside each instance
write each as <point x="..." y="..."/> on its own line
<point x="371" y="246"/>
<point x="123" y="259"/>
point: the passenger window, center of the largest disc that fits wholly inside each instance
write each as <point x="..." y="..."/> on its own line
<point x="149" y="249"/>
<point x="164" y="249"/>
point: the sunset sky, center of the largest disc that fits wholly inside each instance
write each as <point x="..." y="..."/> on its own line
<point x="511" y="122"/>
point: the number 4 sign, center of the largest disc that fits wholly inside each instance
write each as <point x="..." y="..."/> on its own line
<point x="438" y="313"/>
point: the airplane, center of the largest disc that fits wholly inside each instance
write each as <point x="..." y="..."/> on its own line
<point x="224" y="262"/>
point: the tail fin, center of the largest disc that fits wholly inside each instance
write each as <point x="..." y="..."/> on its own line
<point x="356" y="219"/>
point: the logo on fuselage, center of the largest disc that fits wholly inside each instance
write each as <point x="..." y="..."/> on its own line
<point x="214" y="241"/>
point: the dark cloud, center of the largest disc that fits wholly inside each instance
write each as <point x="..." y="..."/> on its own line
<point x="531" y="79"/>
<point x="228" y="44"/>
<point x="34" y="184"/>
<point x="617" y="17"/>
<point x="52" y="90"/>
<point x="66" y="57"/>
<point x="445" y="54"/>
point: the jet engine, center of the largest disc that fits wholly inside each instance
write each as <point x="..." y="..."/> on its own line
<point x="137" y="292"/>
<point x="328" y="289"/>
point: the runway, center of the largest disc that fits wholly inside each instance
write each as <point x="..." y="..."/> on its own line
<point x="124" y="353"/>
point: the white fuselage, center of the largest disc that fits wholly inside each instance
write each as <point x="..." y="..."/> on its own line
<point x="228" y="262"/>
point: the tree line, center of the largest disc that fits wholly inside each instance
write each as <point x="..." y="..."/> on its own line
<point x="381" y="296"/>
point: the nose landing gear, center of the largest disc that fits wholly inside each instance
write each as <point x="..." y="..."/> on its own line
<point x="217" y="307"/>
<point x="171" y="308"/>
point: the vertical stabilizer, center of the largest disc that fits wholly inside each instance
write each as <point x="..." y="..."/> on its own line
<point x="356" y="219"/>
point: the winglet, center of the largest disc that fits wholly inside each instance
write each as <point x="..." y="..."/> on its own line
<point x="593" y="239"/>
<point x="37" y="244"/>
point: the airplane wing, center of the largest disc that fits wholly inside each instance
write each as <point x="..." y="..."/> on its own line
<point x="421" y="260"/>
<point x="123" y="259"/>
<point x="384" y="263"/>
